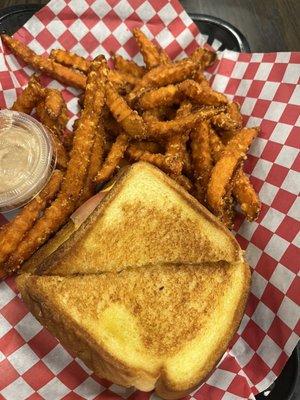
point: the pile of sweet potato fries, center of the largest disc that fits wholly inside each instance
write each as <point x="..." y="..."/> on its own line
<point x="164" y="113"/>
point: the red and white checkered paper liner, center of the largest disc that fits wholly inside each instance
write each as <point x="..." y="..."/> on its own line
<point x="33" y="365"/>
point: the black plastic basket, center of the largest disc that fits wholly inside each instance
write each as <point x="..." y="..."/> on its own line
<point x="12" y="18"/>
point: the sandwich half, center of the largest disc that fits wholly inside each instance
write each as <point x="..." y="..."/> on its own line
<point x="146" y="218"/>
<point x="160" y="327"/>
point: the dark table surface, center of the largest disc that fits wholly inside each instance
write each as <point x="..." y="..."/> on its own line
<point x="269" y="25"/>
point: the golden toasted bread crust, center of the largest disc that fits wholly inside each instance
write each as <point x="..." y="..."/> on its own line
<point x="52" y="265"/>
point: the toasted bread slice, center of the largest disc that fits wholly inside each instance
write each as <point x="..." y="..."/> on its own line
<point x="162" y="327"/>
<point x="146" y="218"/>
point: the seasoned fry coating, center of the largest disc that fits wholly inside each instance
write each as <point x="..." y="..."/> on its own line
<point x="169" y="74"/>
<point x="164" y="57"/>
<point x="29" y="97"/>
<point x="163" y="75"/>
<point x="60" y="210"/>
<point x="229" y="121"/>
<point x="222" y="173"/>
<point x="167" y="129"/>
<point x="163" y="96"/>
<point x="70" y="59"/>
<point x="201" y="94"/>
<point x="176" y="151"/>
<point x="201" y="159"/>
<point x="55" y="133"/>
<point x="129" y="119"/>
<point x="113" y="159"/>
<point x="121" y="79"/>
<point x="16" y="229"/>
<point x="150" y="52"/>
<point x="57" y="71"/>
<point x="242" y="188"/>
<point x="203" y="57"/>
<point x="128" y="66"/>
<point x="96" y="160"/>
<point x="54" y="103"/>
<point x="152" y="147"/>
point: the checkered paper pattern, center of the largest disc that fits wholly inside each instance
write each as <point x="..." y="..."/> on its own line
<point x="33" y="365"/>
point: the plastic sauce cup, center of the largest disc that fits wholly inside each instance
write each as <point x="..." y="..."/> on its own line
<point x="27" y="159"/>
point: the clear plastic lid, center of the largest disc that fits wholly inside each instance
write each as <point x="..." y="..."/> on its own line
<point x="27" y="159"/>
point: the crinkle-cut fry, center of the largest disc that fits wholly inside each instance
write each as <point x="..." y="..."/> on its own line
<point x="184" y="109"/>
<point x="164" y="75"/>
<point x="69" y="59"/>
<point x="29" y="97"/>
<point x="242" y="188"/>
<point x="161" y="161"/>
<point x="176" y="151"/>
<point x="132" y="123"/>
<point x="121" y="79"/>
<point x="152" y="147"/>
<point x="203" y="57"/>
<point x="166" y="129"/>
<point x="225" y="122"/>
<point x="164" y="57"/>
<point x="16" y="228"/>
<point x="113" y="159"/>
<point x="202" y="162"/>
<point x="62" y="207"/>
<point x="111" y="126"/>
<point x="54" y="132"/>
<point x="96" y="160"/>
<point x="54" y="103"/>
<point x="50" y="67"/>
<point x="150" y="52"/>
<point x="222" y="173"/>
<point x="246" y="196"/>
<point x="128" y="66"/>
<point x="201" y="94"/>
<point x="183" y="181"/>
<point x="163" y="96"/>
<point x="229" y="122"/>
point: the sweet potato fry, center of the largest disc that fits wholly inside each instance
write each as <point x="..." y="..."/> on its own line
<point x="55" y="133"/>
<point x="242" y="188"/>
<point x="229" y="121"/>
<point x="57" y="71"/>
<point x="163" y="75"/>
<point x="129" y="119"/>
<point x="29" y="97"/>
<point x="201" y="94"/>
<point x="17" y="228"/>
<point x="166" y="129"/>
<point x="150" y="52"/>
<point x="164" y="96"/>
<point x="202" y="162"/>
<point x="60" y="210"/>
<point x="176" y="151"/>
<point x="203" y="57"/>
<point x="96" y="159"/>
<point x="113" y="159"/>
<point x="69" y="59"/>
<point x="222" y="173"/>
<point x="128" y="66"/>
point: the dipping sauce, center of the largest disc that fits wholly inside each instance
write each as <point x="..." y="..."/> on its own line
<point x="27" y="159"/>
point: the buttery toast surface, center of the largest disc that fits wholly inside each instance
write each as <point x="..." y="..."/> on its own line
<point x="162" y="327"/>
<point x="146" y="219"/>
